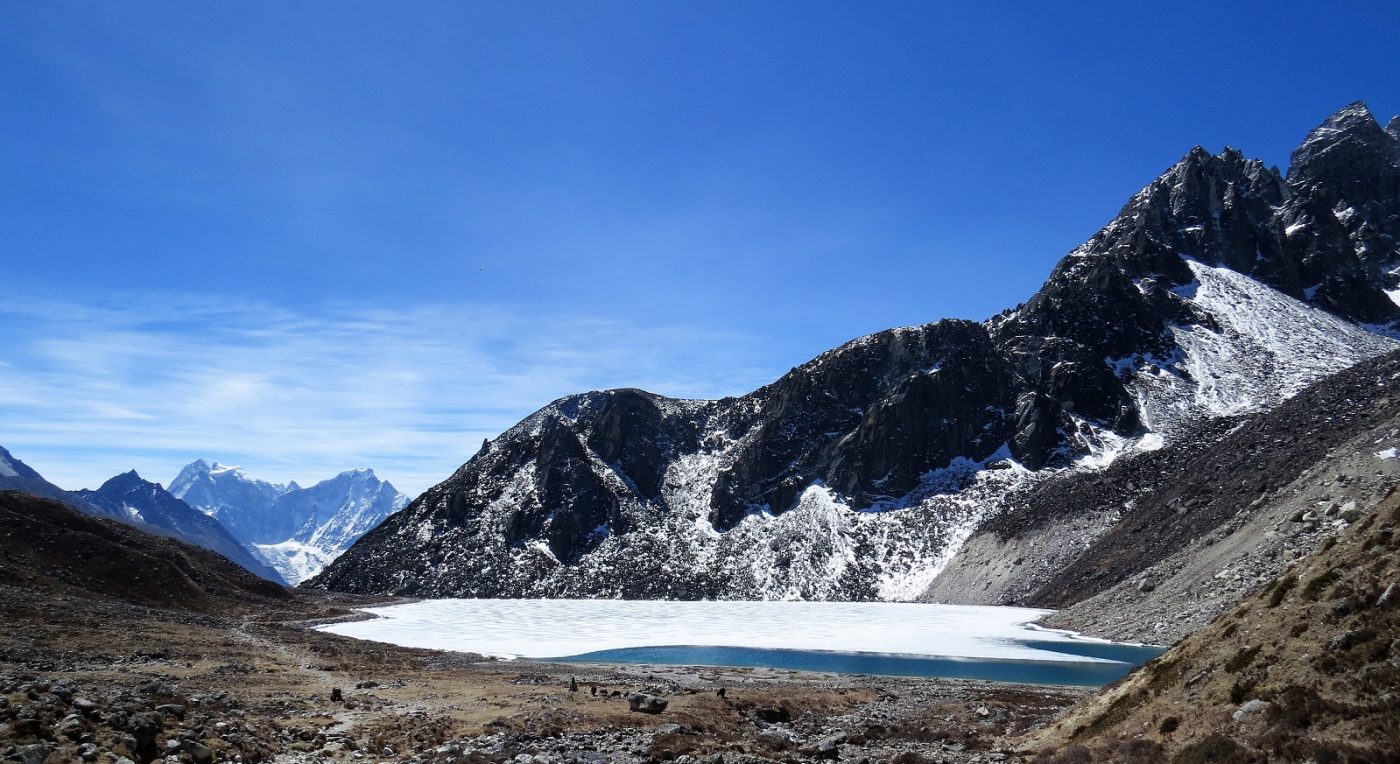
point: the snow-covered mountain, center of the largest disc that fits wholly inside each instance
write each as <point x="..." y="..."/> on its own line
<point x="241" y="503"/>
<point x="296" y="530"/>
<point x="130" y="499"/>
<point x="1220" y="289"/>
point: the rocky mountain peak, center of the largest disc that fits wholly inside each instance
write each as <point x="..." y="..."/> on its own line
<point x="1209" y="206"/>
<point x="1394" y="127"/>
<point x="130" y="498"/>
<point x="358" y="475"/>
<point x="15" y="475"/>
<point x="125" y="483"/>
<point x="1349" y="152"/>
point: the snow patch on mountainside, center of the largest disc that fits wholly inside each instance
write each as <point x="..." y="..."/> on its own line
<point x="1393" y="294"/>
<point x="908" y="569"/>
<point x="294" y="560"/>
<point x="1253" y="347"/>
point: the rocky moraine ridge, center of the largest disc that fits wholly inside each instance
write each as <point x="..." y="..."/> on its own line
<point x="1220" y="290"/>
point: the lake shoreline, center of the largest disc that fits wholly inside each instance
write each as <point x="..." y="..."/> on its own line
<point x="884" y="639"/>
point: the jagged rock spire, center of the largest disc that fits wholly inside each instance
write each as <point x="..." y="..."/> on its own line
<point x="1348" y="152"/>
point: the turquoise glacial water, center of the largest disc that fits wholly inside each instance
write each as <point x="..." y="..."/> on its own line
<point x="1116" y="661"/>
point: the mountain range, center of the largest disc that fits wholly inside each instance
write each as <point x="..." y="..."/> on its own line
<point x="283" y="533"/>
<point x="134" y="501"/>
<point x="1222" y="289"/>
<point x="296" y="530"/>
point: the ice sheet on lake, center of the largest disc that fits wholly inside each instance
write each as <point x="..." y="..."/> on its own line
<point x="563" y="628"/>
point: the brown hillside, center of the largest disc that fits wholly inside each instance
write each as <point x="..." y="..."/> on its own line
<point x="51" y="547"/>
<point x="1306" y="670"/>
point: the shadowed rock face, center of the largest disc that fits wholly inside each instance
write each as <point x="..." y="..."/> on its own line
<point x="1345" y="179"/>
<point x="957" y="407"/>
<point x="868" y="419"/>
<point x="874" y="421"/>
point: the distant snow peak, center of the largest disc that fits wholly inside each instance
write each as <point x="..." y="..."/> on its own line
<point x="298" y="531"/>
<point x="294" y="560"/>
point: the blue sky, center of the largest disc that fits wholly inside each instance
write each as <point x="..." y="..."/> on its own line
<point x="306" y="237"/>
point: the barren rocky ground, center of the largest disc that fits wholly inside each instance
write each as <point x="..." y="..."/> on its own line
<point x="86" y="680"/>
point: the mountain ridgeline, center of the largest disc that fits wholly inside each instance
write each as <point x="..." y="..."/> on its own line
<point x="1220" y="290"/>
<point x="129" y="499"/>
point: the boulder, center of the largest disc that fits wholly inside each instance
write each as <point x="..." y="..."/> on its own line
<point x="647" y="704"/>
<point x="70" y="727"/>
<point x="143" y="729"/>
<point x="201" y="753"/>
<point x="1251" y="711"/>
<point x="828" y="748"/>
<point x="32" y="754"/>
<point x="1388" y="597"/>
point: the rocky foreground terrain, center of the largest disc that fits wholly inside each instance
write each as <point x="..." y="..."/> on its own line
<point x="119" y="646"/>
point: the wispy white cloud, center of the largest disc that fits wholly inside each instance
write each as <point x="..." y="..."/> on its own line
<point x="150" y="380"/>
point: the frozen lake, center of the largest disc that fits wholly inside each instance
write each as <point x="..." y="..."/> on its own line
<point x="852" y="637"/>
